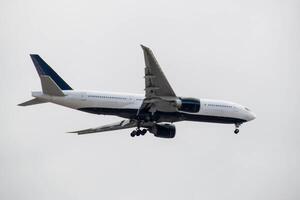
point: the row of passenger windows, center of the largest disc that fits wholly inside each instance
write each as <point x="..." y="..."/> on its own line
<point x="107" y="97"/>
<point x="218" y="105"/>
<point x="110" y="97"/>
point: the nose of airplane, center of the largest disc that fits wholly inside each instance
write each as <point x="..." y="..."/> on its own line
<point x="251" y="116"/>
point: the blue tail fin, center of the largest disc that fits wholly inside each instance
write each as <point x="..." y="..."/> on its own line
<point x="44" y="69"/>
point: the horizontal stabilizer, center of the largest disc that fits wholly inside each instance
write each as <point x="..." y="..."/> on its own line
<point x="32" y="102"/>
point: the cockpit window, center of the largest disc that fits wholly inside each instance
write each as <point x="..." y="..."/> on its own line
<point x="247" y="109"/>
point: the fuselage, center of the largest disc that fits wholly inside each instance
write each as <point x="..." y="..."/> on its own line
<point x="126" y="105"/>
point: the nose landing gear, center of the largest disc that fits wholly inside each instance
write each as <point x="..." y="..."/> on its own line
<point x="236" y="131"/>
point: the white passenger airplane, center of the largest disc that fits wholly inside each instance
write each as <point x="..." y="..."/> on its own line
<point x="154" y="112"/>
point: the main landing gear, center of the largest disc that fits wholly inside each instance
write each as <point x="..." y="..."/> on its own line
<point x="138" y="132"/>
<point x="236" y="131"/>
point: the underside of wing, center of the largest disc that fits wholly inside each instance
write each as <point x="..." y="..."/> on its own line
<point x="159" y="93"/>
<point x="156" y="83"/>
<point x="124" y="124"/>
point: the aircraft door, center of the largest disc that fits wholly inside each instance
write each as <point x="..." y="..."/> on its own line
<point x="83" y="96"/>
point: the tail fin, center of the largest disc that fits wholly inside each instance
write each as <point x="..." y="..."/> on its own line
<point x="52" y="83"/>
<point x="32" y="102"/>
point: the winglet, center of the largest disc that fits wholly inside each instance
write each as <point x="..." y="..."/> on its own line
<point x="144" y="47"/>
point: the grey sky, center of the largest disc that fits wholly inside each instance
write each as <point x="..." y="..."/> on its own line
<point x="243" y="51"/>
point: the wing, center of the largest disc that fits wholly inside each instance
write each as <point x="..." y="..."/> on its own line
<point x="156" y="84"/>
<point x="159" y="93"/>
<point x="124" y="124"/>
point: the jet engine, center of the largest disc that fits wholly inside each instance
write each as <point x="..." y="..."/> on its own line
<point x="163" y="130"/>
<point x="188" y="105"/>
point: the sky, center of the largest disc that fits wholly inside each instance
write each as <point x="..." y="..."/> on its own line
<point x="242" y="51"/>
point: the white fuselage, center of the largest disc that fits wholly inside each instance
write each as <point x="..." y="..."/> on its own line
<point x="151" y="111"/>
<point x="81" y="100"/>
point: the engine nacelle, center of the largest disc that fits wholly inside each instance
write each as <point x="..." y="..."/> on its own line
<point x="188" y="105"/>
<point x="163" y="130"/>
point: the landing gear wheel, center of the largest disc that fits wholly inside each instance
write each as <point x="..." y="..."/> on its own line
<point x="138" y="132"/>
<point x="144" y="131"/>
<point x="133" y="133"/>
<point x="236" y="131"/>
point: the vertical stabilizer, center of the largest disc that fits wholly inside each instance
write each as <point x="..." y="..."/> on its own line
<point x="52" y="83"/>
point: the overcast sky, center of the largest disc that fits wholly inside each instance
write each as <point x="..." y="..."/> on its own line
<point x="242" y="51"/>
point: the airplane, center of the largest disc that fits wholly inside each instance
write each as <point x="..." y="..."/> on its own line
<point x="153" y="112"/>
